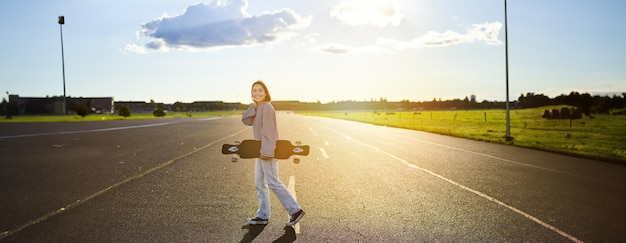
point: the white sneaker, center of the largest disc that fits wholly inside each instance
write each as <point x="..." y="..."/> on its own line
<point x="295" y="218"/>
<point x="257" y="221"/>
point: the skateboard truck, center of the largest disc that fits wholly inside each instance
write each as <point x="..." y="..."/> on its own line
<point x="297" y="150"/>
<point x="234" y="149"/>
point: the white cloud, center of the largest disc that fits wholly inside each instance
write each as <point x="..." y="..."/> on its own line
<point x="376" y="13"/>
<point x="134" y="48"/>
<point x="436" y="39"/>
<point x="346" y="49"/>
<point x="336" y="48"/>
<point x="219" y="24"/>
<point x="487" y="33"/>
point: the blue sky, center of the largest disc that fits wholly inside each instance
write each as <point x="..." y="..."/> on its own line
<point x="322" y="50"/>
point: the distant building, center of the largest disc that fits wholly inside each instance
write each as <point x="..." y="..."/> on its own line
<point x="54" y="105"/>
<point x="105" y="105"/>
<point x="98" y="105"/>
<point x="138" y="107"/>
<point x="202" y="106"/>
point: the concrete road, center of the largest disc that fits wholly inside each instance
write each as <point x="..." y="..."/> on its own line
<point x="165" y="180"/>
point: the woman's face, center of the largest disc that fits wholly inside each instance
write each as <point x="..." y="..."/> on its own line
<point x="258" y="93"/>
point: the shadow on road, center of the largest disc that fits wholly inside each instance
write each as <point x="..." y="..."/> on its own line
<point x="255" y="230"/>
<point x="288" y="236"/>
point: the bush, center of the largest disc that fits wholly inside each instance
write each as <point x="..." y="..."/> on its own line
<point x="159" y="113"/>
<point x="81" y="110"/>
<point x="124" y="111"/>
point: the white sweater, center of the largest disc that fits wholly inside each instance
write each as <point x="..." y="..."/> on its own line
<point x="264" y="127"/>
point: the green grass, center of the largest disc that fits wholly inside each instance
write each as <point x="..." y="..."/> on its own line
<point x="113" y="117"/>
<point x="603" y="137"/>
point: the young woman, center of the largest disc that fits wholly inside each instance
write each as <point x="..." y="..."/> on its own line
<point x="262" y="117"/>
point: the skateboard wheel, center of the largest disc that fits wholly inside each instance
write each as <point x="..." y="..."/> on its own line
<point x="298" y="143"/>
<point x="296" y="160"/>
<point x="233" y="159"/>
<point x="237" y="142"/>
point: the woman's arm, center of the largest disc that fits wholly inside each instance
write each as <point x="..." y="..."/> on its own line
<point x="269" y="130"/>
<point x="248" y="116"/>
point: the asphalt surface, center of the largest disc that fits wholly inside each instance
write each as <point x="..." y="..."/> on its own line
<point x="165" y="180"/>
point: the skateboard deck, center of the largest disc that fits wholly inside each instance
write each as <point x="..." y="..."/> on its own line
<point x="249" y="149"/>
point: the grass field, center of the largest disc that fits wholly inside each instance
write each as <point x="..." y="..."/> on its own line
<point x="603" y="137"/>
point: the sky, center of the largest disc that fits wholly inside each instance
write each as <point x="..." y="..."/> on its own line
<point x="323" y="50"/>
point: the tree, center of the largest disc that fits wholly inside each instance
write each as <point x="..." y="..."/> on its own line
<point x="532" y="100"/>
<point x="5" y="108"/>
<point x="124" y="111"/>
<point x="582" y="101"/>
<point x="178" y="106"/>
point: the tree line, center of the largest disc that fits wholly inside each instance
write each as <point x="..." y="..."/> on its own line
<point x="587" y="103"/>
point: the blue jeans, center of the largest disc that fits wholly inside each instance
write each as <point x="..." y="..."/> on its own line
<point x="265" y="178"/>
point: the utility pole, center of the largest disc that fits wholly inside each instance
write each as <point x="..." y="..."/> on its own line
<point x="61" y="23"/>
<point x="506" y="53"/>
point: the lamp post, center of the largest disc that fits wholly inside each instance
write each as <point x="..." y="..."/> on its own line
<point x="61" y="23"/>
<point x="506" y="54"/>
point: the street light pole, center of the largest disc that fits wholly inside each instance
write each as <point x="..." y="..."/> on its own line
<point x="61" y="23"/>
<point x="506" y="53"/>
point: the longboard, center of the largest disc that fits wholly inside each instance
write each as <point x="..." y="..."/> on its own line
<point x="249" y="149"/>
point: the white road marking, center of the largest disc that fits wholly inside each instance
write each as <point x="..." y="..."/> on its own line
<point x="498" y="158"/>
<point x="116" y="185"/>
<point x="313" y="131"/>
<point x="86" y="131"/>
<point x="483" y="195"/>
<point x="292" y="189"/>
<point x="99" y="130"/>
<point x="209" y="119"/>
<point x="324" y="153"/>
